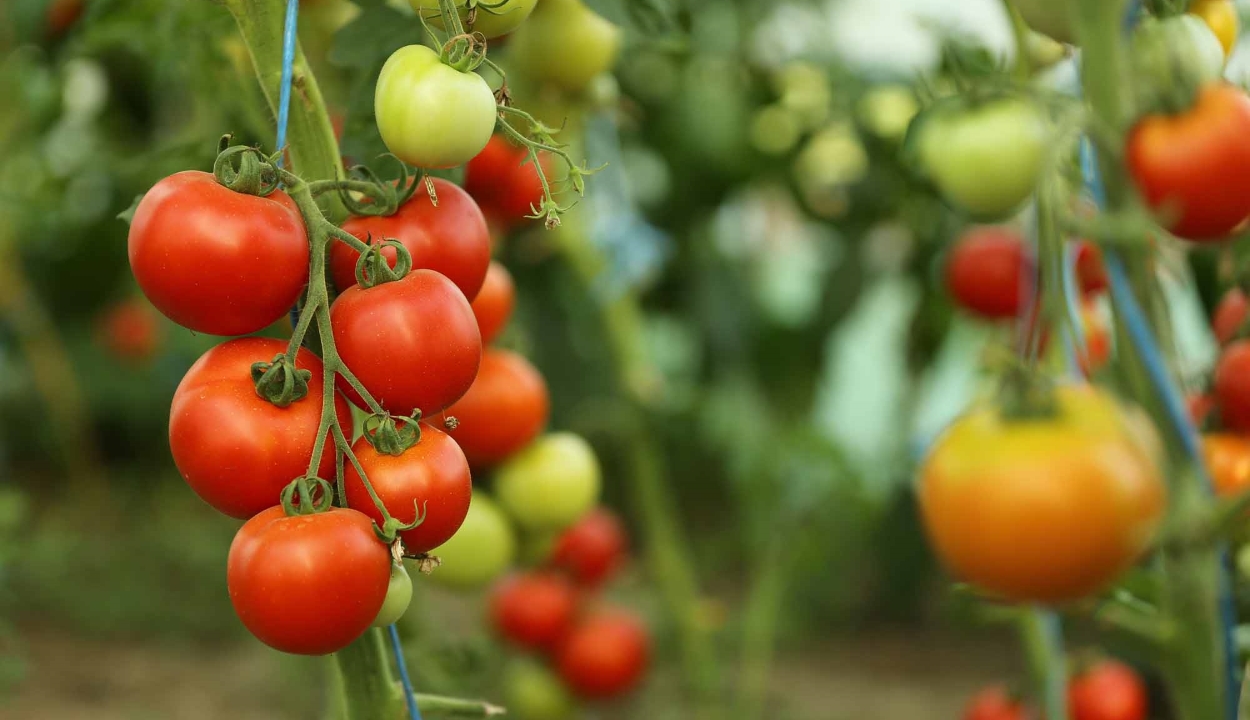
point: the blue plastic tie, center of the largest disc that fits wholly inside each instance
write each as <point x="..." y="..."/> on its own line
<point x="414" y="713"/>
<point x="284" y="94"/>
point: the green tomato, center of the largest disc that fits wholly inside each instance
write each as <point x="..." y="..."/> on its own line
<point x="1170" y="58"/>
<point x="480" y="551"/>
<point x="430" y="114"/>
<point x="551" y="483"/>
<point x="532" y="692"/>
<point x="985" y="158"/>
<point x="566" y="44"/>
<point x="398" y="597"/>
<point x="491" y="22"/>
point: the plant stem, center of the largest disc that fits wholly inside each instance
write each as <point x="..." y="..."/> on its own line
<point x="1043" y="649"/>
<point x="759" y="628"/>
<point x="369" y="690"/>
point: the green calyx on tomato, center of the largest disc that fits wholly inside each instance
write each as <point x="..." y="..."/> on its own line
<point x="1172" y="59"/>
<point x="279" y="381"/>
<point x="253" y="176"/>
<point x="429" y="114"/>
<point x="390" y="436"/>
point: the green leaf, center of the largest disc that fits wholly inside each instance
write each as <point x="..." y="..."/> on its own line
<point x="376" y="33"/>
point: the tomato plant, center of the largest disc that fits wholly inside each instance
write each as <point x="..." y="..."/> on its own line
<point x="986" y="272"/>
<point x="550" y="483"/>
<point x="413" y="343"/>
<point x="995" y="703"/>
<point x="214" y="260"/>
<point x="235" y="449"/>
<point x="308" y="584"/>
<point x="430" y="479"/>
<point x="450" y="238"/>
<point x="1094" y="463"/>
<point x="592" y="549"/>
<point x="503" y="411"/>
<point x="494" y="304"/>
<point x="505" y="181"/>
<point x="605" y="655"/>
<point x="430" y="114"/>
<point x="499" y="19"/>
<point x="566" y="44"/>
<point x="1232" y="385"/>
<point x="533" y="610"/>
<point x="1189" y="166"/>
<point x="1108" y="691"/>
<point x="398" y="597"/>
<point x="1230" y="315"/>
<point x="483" y="547"/>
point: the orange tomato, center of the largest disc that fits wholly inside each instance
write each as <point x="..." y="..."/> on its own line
<point x="1044" y="509"/>
<point x="1228" y="461"/>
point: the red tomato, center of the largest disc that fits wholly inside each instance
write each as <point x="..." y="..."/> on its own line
<point x="533" y="610"/>
<point x="984" y="272"/>
<point x="1192" y="166"/>
<point x="235" y="449"/>
<point x="1091" y="274"/>
<point x="1232" y="385"/>
<point x="504" y="183"/>
<point x="494" y="304"/>
<point x="592" y="549"/>
<point x="504" y="410"/>
<point x="1108" y="691"/>
<point x="431" y="476"/>
<point x="1097" y="340"/>
<point x="1230" y="315"/>
<point x="308" y="584"/>
<point x="605" y="655"/>
<point x="130" y="330"/>
<point x="1200" y="407"/>
<point x="451" y="239"/>
<point x="995" y="703"/>
<point x="1228" y="460"/>
<point x="217" y="261"/>
<point x="413" y="343"/>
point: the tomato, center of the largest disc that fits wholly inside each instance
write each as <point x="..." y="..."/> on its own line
<point x="1232" y="385"/>
<point x="431" y="477"/>
<point x="592" y="549"/>
<point x="605" y="655"/>
<point x="504" y="410"/>
<point x="1190" y="166"/>
<point x="62" y="14"/>
<point x="532" y="692"/>
<point x="235" y="449"/>
<point x="1230" y="315"/>
<point x="412" y="343"/>
<point x="398" y="597"/>
<point x="1228" y="460"/>
<point x="565" y="43"/>
<point x="130" y="331"/>
<point x="985" y="158"/>
<point x="1097" y="339"/>
<point x="533" y="610"/>
<point x="505" y="182"/>
<point x="1044" y="509"/>
<point x="217" y="261"/>
<point x="551" y="483"/>
<point x="494" y="304"/>
<point x="1221" y="17"/>
<point x="1091" y="274"/>
<point x="995" y="703"/>
<point x="430" y="114"/>
<point x="491" y="23"/>
<point x="481" y="549"/>
<point x="308" y="584"/>
<point x="1200" y="407"/>
<point x="451" y="239"/>
<point x="986" y="272"/>
<point x="1108" y="691"/>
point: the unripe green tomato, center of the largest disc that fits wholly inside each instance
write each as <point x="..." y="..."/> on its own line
<point x="1049" y="17"/>
<point x="1171" y="58"/>
<point x="565" y="43"/>
<point x="398" y="597"/>
<point x="532" y="692"/>
<point x="985" y="158"/>
<point x="491" y="23"/>
<point x="480" y="551"/>
<point x="551" y="483"/>
<point x="429" y="114"/>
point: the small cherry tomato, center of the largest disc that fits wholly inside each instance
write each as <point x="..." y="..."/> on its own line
<point x="605" y="655"/>
<point x="564" y="43"/>
<point x="214" y="260"/>
<point x="235" y="449"/>
<point x="549" y="484"/>
<point x="1108" y="691"/>
<point x="308" y="584"/>
<point x="1221" y="17"/>
<point x="481" y="549"/>
<point x="505" y="182"/>
<point x="532" y="692"/>
<point x="412" y="343"/>
<point x="503" y="411"/>
<point x="494" y="304"/>
<point x="499" y="19"/>
<point x="398" y="597"/>
<point x="429" y="114"/>
<point x="430" y="478"/>
<point x="1230" y="315"/>
<point x="1200" y="407"/>
<point x="1232" y="385"/>
<point x="1097" y="339"/>
<point x="592" y="549"/>
<point x="1091" y="274"/>
<point x="131" y="331"/>
<point x="986" y="271"/>
<point x="995" y="703"/>
<point x="533" y="610"/>
<point x="1228" y="460"/>
<point x="451" y="238"/>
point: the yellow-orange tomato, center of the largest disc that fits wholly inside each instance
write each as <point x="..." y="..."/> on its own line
<point x="1221" y="17"/>
<point x="1044" y="509"/>
<point x="1228" y="461"/>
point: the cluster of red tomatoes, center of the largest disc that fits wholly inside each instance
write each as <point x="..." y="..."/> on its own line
<point x="1107" y="690"/>
<point x="1224" y="412"/>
